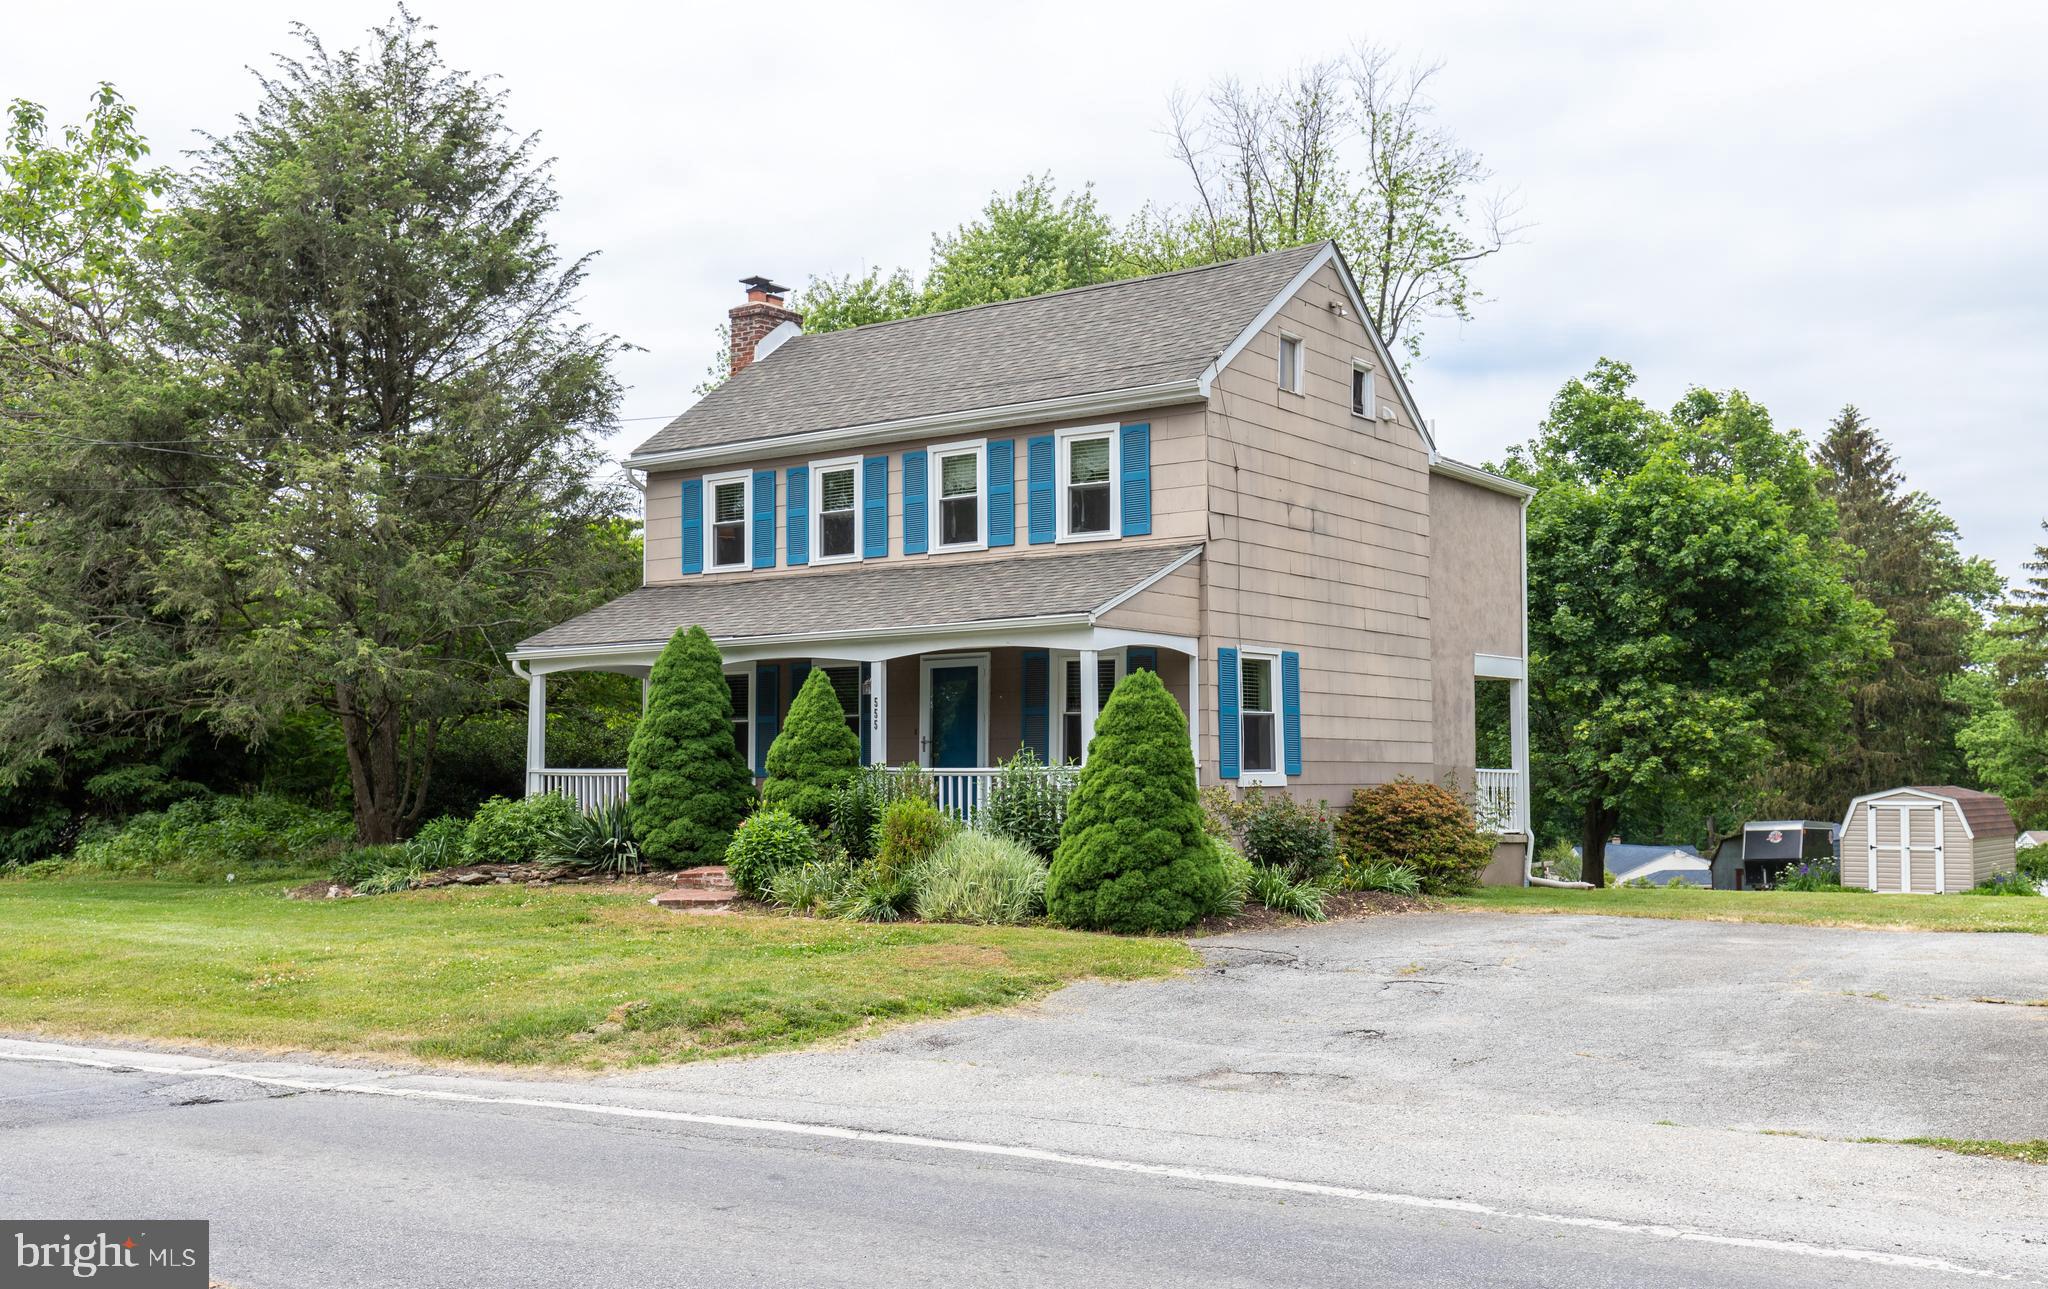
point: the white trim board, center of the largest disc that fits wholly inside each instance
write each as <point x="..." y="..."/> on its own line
<point x="1879" y="797"/>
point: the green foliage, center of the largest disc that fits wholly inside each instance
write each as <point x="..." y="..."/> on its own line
<point x="1237" y="878"/>
<point x="1423" y="827"/>
<point x="1028" y="804"/>
<point x="2007" y="884"/>
<point x="912" y="831"/>
<point x="767" y="843"/>
<point x="871" y="895"/>
<point x="2033" y="863"/>
<point x="600" y="840"/>
<point x="857" y="812"/>
<point x="1274" y="888"/>
<point x="516" y="830"/>
<point x="206" y="838"/>
<point x="1133" y="855"/>
<point x="980" y="878"/>
<point x="1560" y="859"/>
<point x="1817" y="875"/>
<point x="357" y="862"/>
<point x="814" y="756"/>
<point x="438" y="843"/>
<point x="836" y="303"/>
<point x="389" y="878"/>
<point x="809" y="888"/>
<point x="1280" y="832"/>
<point x="1394" y="879"/>
<point x="687" y="781"/>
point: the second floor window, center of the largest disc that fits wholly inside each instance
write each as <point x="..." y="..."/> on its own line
<point x="728" y="521"/>
<point x="1290" y="364"/>
<point x="957" y="474"/>
<point x="838" y="514"/>
<point x="1087" y="501"/>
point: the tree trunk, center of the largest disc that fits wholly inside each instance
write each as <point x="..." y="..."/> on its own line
<point x="1599" y="824"/>
<point x="373" y="769"/>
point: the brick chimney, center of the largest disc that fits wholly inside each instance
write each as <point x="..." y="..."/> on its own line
<point x="763" y="312"/>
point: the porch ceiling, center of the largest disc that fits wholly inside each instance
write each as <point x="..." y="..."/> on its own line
<point x="879" y="597"/>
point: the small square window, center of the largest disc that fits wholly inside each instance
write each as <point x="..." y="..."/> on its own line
<point x="1363" y="396"/>
<point x="1290" y="364"/>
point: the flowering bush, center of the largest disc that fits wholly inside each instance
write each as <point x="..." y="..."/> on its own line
<point x="1812" y="875"/>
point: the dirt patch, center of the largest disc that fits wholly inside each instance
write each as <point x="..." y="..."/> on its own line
<point x="320" y="890"/>
<point x="1339" y="906"/>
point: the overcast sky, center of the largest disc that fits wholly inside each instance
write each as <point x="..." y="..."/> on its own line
<point x="1818" y="204"/>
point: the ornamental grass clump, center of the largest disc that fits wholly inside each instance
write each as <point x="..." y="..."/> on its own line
<point x="980" y="878"/>
<point x="688" y="783"/>
<point x="814" y="756"/>
<point x="1133" y="855"/>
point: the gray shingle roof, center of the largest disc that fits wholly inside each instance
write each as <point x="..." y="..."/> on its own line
<point x="935" y="593"/>
<point x="1090" y="340"/>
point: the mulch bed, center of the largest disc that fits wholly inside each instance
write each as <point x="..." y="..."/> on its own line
<point x="1338" y="906"/>
<point x="507" y="875"/>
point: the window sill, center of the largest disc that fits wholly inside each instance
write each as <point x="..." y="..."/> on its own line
<point x="1261" y="779"/>
<point x="1065" y="539"/>
<point x="728" y="568"/>
<point x="854" y="558"/>
<point x="955" y="550"/>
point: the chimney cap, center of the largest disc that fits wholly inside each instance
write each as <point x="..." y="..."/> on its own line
<point x="763" y="285"/>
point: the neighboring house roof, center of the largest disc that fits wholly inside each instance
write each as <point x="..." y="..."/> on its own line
<point x="1984" y="815"/>
<point x="1626" y="862"/>
<point x="1115" y="336"/>
<point x="871" y="598"/>
<point x="2032" y="837"/>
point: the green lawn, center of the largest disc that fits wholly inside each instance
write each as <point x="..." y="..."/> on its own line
<point x="1813" y="908"/>
<point x="550" y="976"/>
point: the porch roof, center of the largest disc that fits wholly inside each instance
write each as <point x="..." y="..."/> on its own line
<point x="881" y="597"/>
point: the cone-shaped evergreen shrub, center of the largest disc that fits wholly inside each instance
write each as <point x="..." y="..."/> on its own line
<point x="1133" y="855"/>
<point x="814" y="756"/>
<point x="689" y="786"/>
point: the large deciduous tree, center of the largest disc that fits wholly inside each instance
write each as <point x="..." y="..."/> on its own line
<point x="1685" y="625"/>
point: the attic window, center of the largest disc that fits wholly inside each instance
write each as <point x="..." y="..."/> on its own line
<point x="1290" y="364"/>
<point x="1363" y="396"/>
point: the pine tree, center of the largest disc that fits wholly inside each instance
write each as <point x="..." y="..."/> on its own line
<point x="1133" y="856"/>
<point x="684" y="775"/>
<point x="2022" y="663"/>
<point x="1902" y="723"/>
<point x="814" y="756"/>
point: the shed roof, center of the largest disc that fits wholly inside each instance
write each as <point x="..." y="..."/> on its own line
<point x="1984" y="815"/>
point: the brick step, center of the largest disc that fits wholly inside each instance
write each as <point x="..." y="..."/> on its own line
<point x="709" y="877"/>
<point x="686" y="900"/>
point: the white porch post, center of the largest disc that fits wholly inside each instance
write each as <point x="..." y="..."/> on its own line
<point x="646" y="691"/>
<point x="1091" y="695"/>
<point x="536" y="730"/>
<point x="1195" y="711"/>
<point x="878" y="712"/>
<point x="1518" y="717"/>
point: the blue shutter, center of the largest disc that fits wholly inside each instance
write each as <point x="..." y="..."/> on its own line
<point x="799" y="541"/>
<point x="1002" y="492"/>
<point x="866" y="718"/>
<point x="693" y="525"/>
<point x="874" y="520"/>
<point x="1290" y="709"/>
<point x="1141" y="658"/>
<point x="1039" y="491"/>
<point x="764" y="519"/>
<point x="916" y="475"/>
<point x="1226" y="719"/>
<point x="1134" y="462"/>
<point x="767" y="712"/>
<point x="1037" y="731"/>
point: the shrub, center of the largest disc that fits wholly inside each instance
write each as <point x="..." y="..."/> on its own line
<point x="600" y="840"/>
<point x="1027" y="803"/>
<point x="1816" y="876"/>
<point x="1133" y="855"/>
<point x="1394" y="879"/>
<point x="355" y="865"/>
<point x="438" y="843"/>
<point x="1560" y="859"/>
<point x="857" y="812"/>
<point x="2033" y="863"/>
<point x="912" y="831"/>
<point x="206" y="838"/>
<point x="1280" y="832"/>
<point x="2006" y="884"/>
<point x="510" y="830"/>
<point x="980" y="878"/>
<point x="1422" y="826"/>
<point x="814" y="756"/>
<point x="1272" y="887"/>
<point x="768" y="842"/>
<point x="689" y="785"/>
<point x="809" y="888"/>
<point x="1237" y="878"/>
<point x="389" y="879"/>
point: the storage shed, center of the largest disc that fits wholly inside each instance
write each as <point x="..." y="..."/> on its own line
<point x="1926" y="840"/>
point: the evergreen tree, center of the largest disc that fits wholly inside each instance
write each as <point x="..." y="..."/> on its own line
<point x="814" y="756"/>
<point x="1133" y="855"/>
<point x="2021" y="664"/>
<point x="684" y="774"/>
<point x="1901" y="722"/>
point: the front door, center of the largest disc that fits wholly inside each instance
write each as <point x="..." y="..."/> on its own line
<point x="955" y="716"/>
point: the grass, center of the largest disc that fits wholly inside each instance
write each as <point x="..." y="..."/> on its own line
<point x="504" y="976"/>
<point x="1807" y="908"/>
<point x="2020" y="1152"/>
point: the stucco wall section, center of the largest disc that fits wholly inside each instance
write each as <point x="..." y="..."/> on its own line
<point x="1475" y="578"/>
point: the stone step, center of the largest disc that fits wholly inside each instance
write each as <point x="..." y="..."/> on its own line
<point x="708" y="877"/>
<point x="687" y="900"/>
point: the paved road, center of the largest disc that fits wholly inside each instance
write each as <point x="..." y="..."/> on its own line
<point x="337" y="1190"/>
<point x="1592" y="1070"/>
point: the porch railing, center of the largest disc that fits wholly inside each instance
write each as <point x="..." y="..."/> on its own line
<point x="1499" y="804"/>
<point x="964" y="793"/>
<point x="589" y="789"/>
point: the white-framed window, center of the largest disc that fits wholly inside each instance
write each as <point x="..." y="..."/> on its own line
<point x="959" y="497"/>
<point x="835" y="511"/>
<point x="1258" y="717"/>
<point x="1073" y="740"/>
<point x="1290" y="364"/>
<point x="1364" y="395"/>
<point x="741" y="685"/>
<point x="1089" y="509"/>
<point x="728" y="532"/>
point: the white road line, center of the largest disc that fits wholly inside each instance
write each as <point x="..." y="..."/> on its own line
<point x="1251" y="1181"/>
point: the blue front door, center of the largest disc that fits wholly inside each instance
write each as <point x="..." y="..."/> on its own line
<point x="956" y="717"/>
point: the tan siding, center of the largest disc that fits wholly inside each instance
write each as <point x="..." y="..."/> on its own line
<point x="1320" y="541"/>
<point x="1179" y="487"/>
<point x="1170" y="606"/>
<point x="1475" y="602"/>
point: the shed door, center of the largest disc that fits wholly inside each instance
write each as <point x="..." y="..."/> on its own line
<point x="1905" y="846"/>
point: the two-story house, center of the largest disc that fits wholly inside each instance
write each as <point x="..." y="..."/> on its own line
<point x="976" y="522"/>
